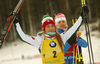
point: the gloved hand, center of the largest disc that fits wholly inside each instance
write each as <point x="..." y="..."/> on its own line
<point x="85" y="10"/>
<point x="72" y="39"/>
<point x="16" y="19"/>
<point x="12" y="14"/>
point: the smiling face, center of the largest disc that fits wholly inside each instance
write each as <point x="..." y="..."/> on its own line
<point x="50" y="28"/>
<point x="61" y="24"/>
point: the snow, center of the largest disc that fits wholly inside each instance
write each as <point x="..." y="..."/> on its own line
<point x="22" y="53"/>
<point x="95" y="39"/>
<point x="13" y="54"/>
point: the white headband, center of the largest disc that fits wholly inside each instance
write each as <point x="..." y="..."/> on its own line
<point x="61" y="18"/>
<point x="46" y="19"/>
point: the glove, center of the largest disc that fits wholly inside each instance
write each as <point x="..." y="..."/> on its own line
<point x="12" y="14"/>
<point x="16" y="19"/>
<point x="72" y="39"/>
<point x="78" y="34"/>
<point x="85" y="9"/>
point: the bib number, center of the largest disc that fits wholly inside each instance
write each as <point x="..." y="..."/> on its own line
<point x="54" y="56"/>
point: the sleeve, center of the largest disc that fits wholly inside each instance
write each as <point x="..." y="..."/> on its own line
<point x="65" y="36"/>
<point x="81" y="42"/>
<point x="34" y="41"/>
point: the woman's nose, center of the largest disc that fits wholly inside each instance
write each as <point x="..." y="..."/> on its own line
<point x="51" y="28"/>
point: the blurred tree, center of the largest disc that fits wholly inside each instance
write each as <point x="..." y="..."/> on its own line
<point x="32" y="11"/>
<point x="90" y="9"/>
<point x="29" y="16"/>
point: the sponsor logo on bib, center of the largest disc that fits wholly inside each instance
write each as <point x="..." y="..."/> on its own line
<point x="52" y="44"/>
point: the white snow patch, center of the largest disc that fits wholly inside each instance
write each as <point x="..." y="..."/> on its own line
<point x="95" y="40"/>
<point x="13" y="54"/>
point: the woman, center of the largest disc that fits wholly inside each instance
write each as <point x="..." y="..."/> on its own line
<point x="51" y="44"/>
<point x="61" y="24"/>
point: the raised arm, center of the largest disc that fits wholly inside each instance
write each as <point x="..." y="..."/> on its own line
<point x="65" y="36"/>
<point x="35" y="41"/>
<point x="76" y="26"/>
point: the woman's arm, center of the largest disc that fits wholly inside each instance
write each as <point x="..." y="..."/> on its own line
<point x="65" y="36"/>
<point x="35" y="41"/>
<point x="81" y="42"/>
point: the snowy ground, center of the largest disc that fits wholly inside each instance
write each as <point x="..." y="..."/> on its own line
<point x="95" y="39"/>
<point x="22" y="53"/>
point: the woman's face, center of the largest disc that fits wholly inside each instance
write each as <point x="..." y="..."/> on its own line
<point x="61" y="24"/>
<point x="50" y="28"/>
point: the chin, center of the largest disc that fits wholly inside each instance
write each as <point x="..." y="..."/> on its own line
<point x="62" y="28"/>
<point x="52" y="31"/>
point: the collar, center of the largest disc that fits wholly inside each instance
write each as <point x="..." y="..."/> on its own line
<point x="61" y="30"/>
<point x="50" y="35"/>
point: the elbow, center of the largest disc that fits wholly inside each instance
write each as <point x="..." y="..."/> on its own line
<point x="85" y="45"/>
<point x="82" y="43"/>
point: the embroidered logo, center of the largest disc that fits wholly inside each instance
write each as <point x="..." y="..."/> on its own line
<point x="48" y="20"/>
